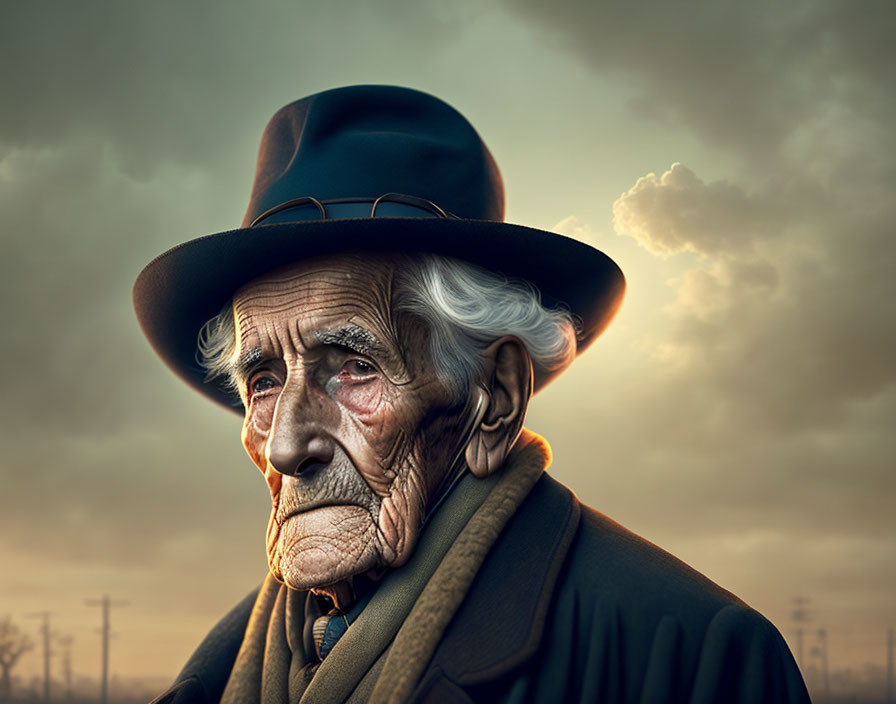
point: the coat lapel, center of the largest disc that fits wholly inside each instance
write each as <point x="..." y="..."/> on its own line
<point x="503" y="616"/>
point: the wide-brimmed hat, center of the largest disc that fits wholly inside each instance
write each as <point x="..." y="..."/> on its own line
<point x="366" y="168"/>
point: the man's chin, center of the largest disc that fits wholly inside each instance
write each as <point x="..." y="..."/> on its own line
<point x="324" y="546"/>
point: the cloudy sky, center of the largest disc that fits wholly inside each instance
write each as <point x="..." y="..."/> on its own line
<point x="736" y="160"/>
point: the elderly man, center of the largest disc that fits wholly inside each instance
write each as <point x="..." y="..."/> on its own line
<point x="382" y="331"/>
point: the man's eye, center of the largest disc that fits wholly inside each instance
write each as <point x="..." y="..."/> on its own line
<point x="357" y="367"/>
<point x="262" y="384"/>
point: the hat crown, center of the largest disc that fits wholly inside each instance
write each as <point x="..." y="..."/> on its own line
<point x="362" y="142"/>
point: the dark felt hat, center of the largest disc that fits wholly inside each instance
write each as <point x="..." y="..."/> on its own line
<point x="370" y="168"/>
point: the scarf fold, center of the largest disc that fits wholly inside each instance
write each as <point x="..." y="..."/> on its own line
<point x="385" y="651"/>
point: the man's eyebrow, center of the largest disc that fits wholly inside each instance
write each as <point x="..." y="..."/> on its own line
<point x="353" y="337"/>
<point x="243" y="364"/>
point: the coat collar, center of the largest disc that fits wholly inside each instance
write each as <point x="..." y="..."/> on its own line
<point x="503" y="616"/>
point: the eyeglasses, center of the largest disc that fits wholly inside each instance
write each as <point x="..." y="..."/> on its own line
<point x="354" y="207"/>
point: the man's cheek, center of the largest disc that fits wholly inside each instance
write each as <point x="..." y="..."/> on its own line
<point x="255" y="437"/>
<point x="361" y="399"/>
<point x="398" y="521"/>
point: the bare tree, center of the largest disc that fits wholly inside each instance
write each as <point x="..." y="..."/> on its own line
<point x="13" y="644"/>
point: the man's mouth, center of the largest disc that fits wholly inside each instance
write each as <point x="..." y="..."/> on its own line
<point x="311" y="506"/>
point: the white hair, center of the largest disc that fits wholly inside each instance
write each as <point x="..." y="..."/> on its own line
<point x="465" y="307"/>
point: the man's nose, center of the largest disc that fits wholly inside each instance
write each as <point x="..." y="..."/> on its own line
<point x="298" y="442"/>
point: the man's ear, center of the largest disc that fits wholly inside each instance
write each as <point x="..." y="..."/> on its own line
<point x="508" y="387"/>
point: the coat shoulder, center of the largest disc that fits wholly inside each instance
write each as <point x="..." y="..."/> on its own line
<point x="612" y="567"/>
<point x="625" y="621"/>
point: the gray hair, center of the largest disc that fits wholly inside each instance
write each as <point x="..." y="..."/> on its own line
<point x="465" y="307"/>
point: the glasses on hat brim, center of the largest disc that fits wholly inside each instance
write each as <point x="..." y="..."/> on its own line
<point x="340" y="208"/>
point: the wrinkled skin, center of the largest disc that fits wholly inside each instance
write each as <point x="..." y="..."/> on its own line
<point x="345" y="417"/>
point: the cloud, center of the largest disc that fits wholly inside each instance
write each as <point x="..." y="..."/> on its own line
<point x="96" y="469"/>
<point x="784" y="322"/>
<point x="747" y="76"/>
<point x="178" y="82"/>
<point x="677" y="212"/>
<point x="576" y="229"/>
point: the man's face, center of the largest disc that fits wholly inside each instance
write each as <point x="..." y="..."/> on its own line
<point x="344" y="416"/>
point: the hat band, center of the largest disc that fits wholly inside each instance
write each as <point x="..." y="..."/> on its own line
<point x="389" y="205"/>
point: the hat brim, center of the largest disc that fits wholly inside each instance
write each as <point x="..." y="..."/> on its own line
<point x="187" y="285"/>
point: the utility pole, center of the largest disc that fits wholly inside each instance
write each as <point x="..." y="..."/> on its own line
<point x="45" y="635"/>
<point x="800" y="616"/>
<point x="66" y="643"/>
<point x="890" y="683"/>
<point x="106" y="603"/>
<point x="823" y="642"/>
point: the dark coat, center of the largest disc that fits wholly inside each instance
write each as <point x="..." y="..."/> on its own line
<point x="571" y="607"/>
